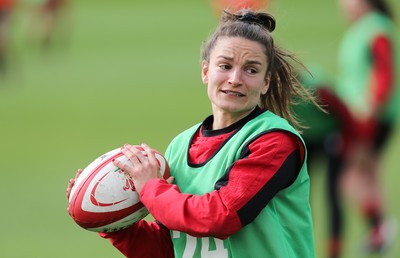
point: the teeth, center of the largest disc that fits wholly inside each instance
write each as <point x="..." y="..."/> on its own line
<point x="233" y="93"/>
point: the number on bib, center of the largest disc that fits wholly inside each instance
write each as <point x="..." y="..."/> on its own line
<point x="210" y="247"/>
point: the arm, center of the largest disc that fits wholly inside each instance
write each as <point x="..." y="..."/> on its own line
<point x="381" y="85"/>
<point x="382" y="71"/>
<point x="269" y="164"/>
<point x="143" y="239"/>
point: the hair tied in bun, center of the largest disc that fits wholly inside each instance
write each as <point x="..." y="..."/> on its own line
<point x="264" y="20"/>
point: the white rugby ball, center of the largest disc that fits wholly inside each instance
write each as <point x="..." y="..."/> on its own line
<point x="103" y="198"/>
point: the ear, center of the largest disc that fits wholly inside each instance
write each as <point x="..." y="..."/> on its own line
<point x="266" y="85"/>
<point x="204" y="72"/>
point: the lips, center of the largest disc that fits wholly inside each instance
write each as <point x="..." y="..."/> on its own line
<point x="233" y="93"/>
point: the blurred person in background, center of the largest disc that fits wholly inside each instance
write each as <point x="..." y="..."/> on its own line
<point x="49" y="22"/>
<point x="6" y="11"/>
<point x="368" y="85"/>
<point x="323" y="137"/>
<point x="235" y="5"/>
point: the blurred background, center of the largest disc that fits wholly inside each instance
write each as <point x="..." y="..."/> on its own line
<point x="81" y="77"/>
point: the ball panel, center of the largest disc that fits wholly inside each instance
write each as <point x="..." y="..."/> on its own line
<point x="109" y="189"/>
<point x="122" y="223"/>
<point x="89" y="219"/>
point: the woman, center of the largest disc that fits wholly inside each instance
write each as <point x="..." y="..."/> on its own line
<point x="367" y="84"/>
<point x="241" y="185"/>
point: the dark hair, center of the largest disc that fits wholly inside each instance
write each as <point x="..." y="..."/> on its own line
<point x="284" y="87"/>
<point x="382" y="7"/>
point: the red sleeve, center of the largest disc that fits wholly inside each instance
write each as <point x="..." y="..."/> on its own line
<point x="336" y="107"/>
<point x="142" y="239"/>
<point x="266" y="167"/>
<point x="382" y="73"/>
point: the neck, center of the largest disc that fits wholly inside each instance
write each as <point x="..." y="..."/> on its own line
<point x="223" y="119"/>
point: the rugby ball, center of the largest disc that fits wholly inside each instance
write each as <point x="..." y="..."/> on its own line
<point x="103" y="198"/>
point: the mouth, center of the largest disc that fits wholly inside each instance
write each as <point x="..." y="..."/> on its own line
<point x="233" y="93"/>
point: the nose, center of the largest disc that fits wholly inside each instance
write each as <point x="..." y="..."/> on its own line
<point x="235" y="77"/>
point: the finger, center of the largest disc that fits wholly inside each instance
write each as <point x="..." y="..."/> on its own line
<point x="151" y="157"/>
<point x="123" y="166"/>
<point x="71" y="183"/>
<point x="78" y="173"/>
<point x="133" y="154"/>
<point x="170" y="179"/>
<point x="139" y="152"/>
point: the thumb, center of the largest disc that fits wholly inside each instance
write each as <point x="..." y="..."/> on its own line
<point x="170" y="179"/>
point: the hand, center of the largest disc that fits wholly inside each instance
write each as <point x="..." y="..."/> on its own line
<point x="144" y="166"/>
<point x="71" y="183"/>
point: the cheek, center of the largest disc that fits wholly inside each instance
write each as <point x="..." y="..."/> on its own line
<point x="259" y="88"/>
<point x="216" y="79"/>
<point x="210" y="91"/>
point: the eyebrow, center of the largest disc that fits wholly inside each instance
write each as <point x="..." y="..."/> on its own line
<point x="249" y="62"/>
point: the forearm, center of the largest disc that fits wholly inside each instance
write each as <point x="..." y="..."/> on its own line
<point x="142" y="239"/>
<point x="196" y="215"/>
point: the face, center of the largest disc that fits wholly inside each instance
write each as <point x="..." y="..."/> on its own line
<point x="353" y="9"/>
<point x="235" y="77"/>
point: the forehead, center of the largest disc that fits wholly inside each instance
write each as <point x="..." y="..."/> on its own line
<point x="237" y="47"/>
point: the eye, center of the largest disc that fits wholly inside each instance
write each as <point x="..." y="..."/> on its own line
<point x="251" y="70"/>
<point x="224" y="66"/>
